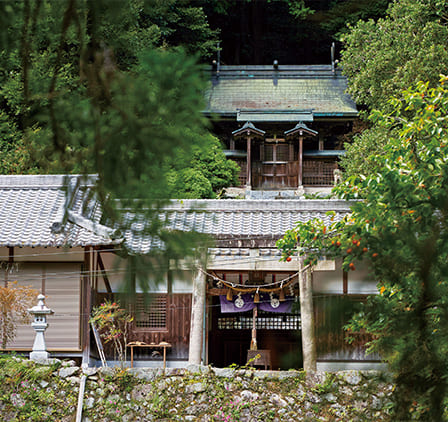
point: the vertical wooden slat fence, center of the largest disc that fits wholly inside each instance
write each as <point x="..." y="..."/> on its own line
<point x="331" y="314"/>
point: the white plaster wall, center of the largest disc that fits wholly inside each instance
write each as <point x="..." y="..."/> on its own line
<point x="328" y="281"/>
<point x="361" y="281"/>
<point x="116" y="272"/>
<point x="182" y="282"/>
<point x="117" y="267"/>
<point x="60" y="283"/>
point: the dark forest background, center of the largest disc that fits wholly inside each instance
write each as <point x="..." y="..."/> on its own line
<point x="292" y="32"/>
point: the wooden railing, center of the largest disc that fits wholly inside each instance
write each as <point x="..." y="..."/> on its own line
<point x="284" y="175"/>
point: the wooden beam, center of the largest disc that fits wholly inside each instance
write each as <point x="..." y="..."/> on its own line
<point x="249" y="163"/>
<point x="9" y="266"/>
<point x="344" y="282"/>
<point x="104" y="273"/>
<point x="300" y="175"/>
<point x="86" y="306"/>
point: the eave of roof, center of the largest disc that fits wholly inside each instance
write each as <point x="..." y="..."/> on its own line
<point x="33" y="206"/>
<point x="289" y="89"/>
<point x="30" y="205"/>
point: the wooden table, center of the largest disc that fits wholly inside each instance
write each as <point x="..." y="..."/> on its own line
<point x="162" y="345"/>
<point x="264" y="358"/>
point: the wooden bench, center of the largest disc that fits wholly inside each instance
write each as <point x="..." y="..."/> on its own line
<point x="164" y="345"/>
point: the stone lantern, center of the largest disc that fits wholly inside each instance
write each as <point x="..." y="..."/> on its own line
<point x="39" y="312"/>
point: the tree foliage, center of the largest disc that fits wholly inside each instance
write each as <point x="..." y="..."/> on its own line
<point x="71" y="57"/>
<point x="110" y="88"/>
<point x="15" y="301"/>
<point x="207" y="174"/>
<point x="381" y="58"/>
<point x="401" y="228"/>
<point x="113" y="322"/>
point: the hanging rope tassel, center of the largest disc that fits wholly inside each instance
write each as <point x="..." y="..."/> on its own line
<point x="281" y="296"/>
<point x="257" y="297"/>
<point x="229" y="295"/>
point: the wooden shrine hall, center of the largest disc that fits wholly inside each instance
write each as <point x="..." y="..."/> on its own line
<point x="284" y="125"/>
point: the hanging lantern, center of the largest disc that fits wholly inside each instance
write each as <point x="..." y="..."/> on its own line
<point x="229" y="295"/>
<point x="257" y="297"/>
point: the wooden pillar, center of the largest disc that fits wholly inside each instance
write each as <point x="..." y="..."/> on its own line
<point x="10" y="264"/>
<point x="300" y="161"/>
<point x="344" y="282"/>
<point x="307" y="318"/>
<point x="249" y="163"/>
<point x="86" y="305"/>
<point x="197" y="318"/>
<point x="321" y="145"/>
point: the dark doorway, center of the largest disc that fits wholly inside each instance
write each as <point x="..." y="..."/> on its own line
<point x="230" y="334"/>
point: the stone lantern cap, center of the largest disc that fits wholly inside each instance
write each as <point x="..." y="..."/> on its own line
<point x="40" y="308"/>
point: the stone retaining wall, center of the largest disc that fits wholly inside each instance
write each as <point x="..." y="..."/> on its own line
<point x="50" y="392"/>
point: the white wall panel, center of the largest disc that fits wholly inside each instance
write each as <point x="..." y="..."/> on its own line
<point x="182" y="282"/>
<point x="62" y="289"/>
<point x="61" y="284"/>
<point x="328" y="281"/>
<point x="361" y="281"/>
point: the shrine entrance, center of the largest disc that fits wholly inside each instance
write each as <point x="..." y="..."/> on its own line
<point x="230" y="337"/>
<point x="243" y="321"/>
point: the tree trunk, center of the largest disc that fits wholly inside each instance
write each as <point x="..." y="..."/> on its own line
<point x="307" y="318"/>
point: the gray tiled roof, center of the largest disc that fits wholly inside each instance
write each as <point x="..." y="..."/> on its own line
<point x="31" y="204"/>
<point x="238" y="218"/>
<point x="291" y="88"/>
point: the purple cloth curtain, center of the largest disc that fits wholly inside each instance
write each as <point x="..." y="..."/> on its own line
<point x="248" y="299"/>
<point x="229" y="306"/>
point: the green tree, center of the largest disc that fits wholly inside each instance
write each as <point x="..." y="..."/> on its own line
<point x="382" y="58"/>
<point x="107" y="87"/>
<point x="113" y="323"/>
<point x="54" y="50"/>
<point x="207" y="173"/>
<point x="341" y="13"/>
<point x="401" y="229"/>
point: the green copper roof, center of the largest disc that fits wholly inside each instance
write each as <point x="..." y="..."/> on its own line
<point x="279" y="94"/>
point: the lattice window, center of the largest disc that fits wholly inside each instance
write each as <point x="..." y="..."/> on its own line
<point x="265" y="321"/>
<point x="151" y="313"/>
<point x="276" y="152"/>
